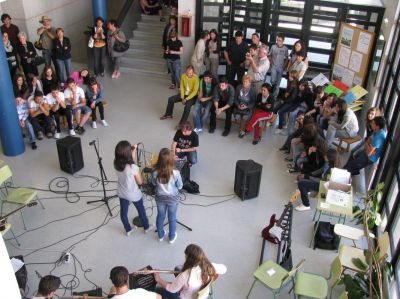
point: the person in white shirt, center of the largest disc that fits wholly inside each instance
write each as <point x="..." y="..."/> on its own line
<point x="258" y="66"/>
<point x="58" y="108"/>
<point x="120" y="278"/>
<point x="76" y="101"/>
<point x="197" y="272"/>
<point x="23" y="116"/>
<point x="48" y="285"/>
<point x="39" y="113"/>
<point x="198" y="57"/>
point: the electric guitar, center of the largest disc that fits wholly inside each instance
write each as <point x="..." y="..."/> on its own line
<point x="145" y="272"/>
<point x="3" y="219"/>
<point x="273" y="231"/>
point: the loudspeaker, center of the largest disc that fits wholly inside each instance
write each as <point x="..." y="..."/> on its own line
<point x="70" y="154"/>
<point x="247" y="179"/>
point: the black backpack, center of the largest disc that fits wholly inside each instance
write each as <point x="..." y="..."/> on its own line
<point x="325" y="238"/>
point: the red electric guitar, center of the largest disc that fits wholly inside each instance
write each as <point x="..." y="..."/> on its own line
<point x="272" y="232"/>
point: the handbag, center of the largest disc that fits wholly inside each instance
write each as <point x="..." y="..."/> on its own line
<point x="121" y="47"/>
<point x="91" y="42"/>
<point x="38" y="60"/>
<point x="38" y="44"/>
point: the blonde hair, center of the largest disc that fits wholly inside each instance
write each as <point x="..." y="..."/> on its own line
<point x="246" y="77"/>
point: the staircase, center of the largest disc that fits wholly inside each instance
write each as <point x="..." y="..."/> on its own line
<point x="145" y="56"/>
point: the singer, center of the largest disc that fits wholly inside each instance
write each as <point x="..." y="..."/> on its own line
<point x="128" y="191"/>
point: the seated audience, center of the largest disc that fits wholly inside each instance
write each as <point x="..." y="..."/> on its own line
<point x="185" y="143"/>
<point x="201" y="110"/>
<point x="34" y="84"/>
<point x="286" y="147"/>
<point x="223" y="98"/>
<point x="197" y="272"/>
<point x="327" y="111"/>
<point x="39" y="112"/>
<point x="319" y="98"/>
<point x="20" y="88"/>
<point x="76" y="101"/>
<point x="344" y="125"/>
<point x="152" y="7"/>
<point x="23" y="116"/>
<point x="120" y="278"/>
<point x="94" y="96"/>
<point x="80" y="77"/>
<point x="372" y="148"/>
<point x="48" y="286"/>
<point x="48" y="79"/>
<point x="245" y="98"/>
<point x="189" y="88"/>
<point x="262" y="112"/>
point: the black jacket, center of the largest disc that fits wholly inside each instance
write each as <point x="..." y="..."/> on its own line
<point x="62" y="52"/>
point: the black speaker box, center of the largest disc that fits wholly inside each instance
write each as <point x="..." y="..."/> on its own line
<point x="70" y="154"/>
<point x="247" y="179"/>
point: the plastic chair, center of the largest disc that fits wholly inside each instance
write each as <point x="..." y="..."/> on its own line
<point x="349" y="232"/>
<point x="8" y="228"/>
<point x="336" y="273"/>
<point x="343" y="295"/>
<point x="18" y="196"/>
<point x="278" y="280"/>
<point x="206" y="292"/>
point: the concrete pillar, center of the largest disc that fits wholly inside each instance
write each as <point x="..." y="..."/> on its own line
<point x="10" y="130"/>
<point x="99" y="9"/>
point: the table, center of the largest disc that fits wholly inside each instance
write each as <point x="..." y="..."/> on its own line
<point x="331" y="210"/>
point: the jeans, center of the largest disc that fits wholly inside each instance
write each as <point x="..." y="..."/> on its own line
<point x="124" y="213"/>
<point x="201" y="112"/>
<point x="47" y="56"/>
<point x="232" y="71"/>
<point x="162" y="209"/>
<point x="306" y="186"/>
<point x="293" y="116"/>
<point x="116" y="63"/>
<point x="186" y="111"/>
<point x="99" y="54"/>
<point x="355" y="164"/>
<point x="276" y="77"/>
<point x="35" y="121"/>
<point x="101" y="111"/>
<point x="31" y="131"/>
<point x="62" y="111"/>
<point x="285" y="108"/>
<point x="212" y="65"/>
<point x="190" y="156"/>
<point x="64" y="64"/>
<point x="228" y="116"/>
<point x="175" y="67"/>
<point x="165" y="294"/>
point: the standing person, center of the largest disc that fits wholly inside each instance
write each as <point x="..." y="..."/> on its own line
<point x="168" y="182"/>
<point x="279" y="57"/>
<point x="189" y="87"/>
<point x="94" y="96"/>
<point x="255" y="39"/>
<point x="129" y="180"/>
<point x="258" y="65"/>
<point x="197" y="273"/>
<point x="27" y="53"/>
<point x="173" y="52"/>
<point x="213" y="46"/>
<point x="47" y="34"/>
<point x="235" y="56"/>
<point x="48" y="286"/>
<point x="171" y="26"/>
<point x="199" y="53"/>
<point x="185" y="143"/>
<point x="62" y="53"/>
<point x="114" y="35"/>
<point x="9" y="28"/>
<point x="223" y="98"/>
<point x="99" y="46"/>
<point x="201" y="110"/>
<point x="297" y="48"/>
<point x="11" y="54"/>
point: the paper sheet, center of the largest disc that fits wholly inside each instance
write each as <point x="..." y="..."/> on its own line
<point x="344" y="56"/>
<point x="16" y="264"/>
<point x="341" y="176"/>
<point x="363" y="43"/>
<point x="337" y="198"/>
<point x="347" y="36"/>
<point x="355" y="61"/>
<point x="324" y="205"/>
<point x="342" y="74"/>
<point x="271" y="272"/>
<point x="320" y="80"/>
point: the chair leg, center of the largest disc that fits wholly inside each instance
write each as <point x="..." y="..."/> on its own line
<point x="251" y="288"/>
<point x="15" y="238"/>
<point x="1" y="209"/>
<point x="40" y="202"/>
<point x="23" y="220"/>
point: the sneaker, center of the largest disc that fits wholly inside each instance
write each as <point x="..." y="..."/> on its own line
<point x="94" y="125"/>
<point x="103" y="121"/>
<point x="241" y="134"/>
<point x="268" y="124"/>
<point x="57" y="135"/>
<point x="165" y="116"/>
<point x="283" y="149"/>
<point x="211" y="130"/>
<point x="197" y="130"/>
<point x="302" y="208"/>
<point x="174" y="239"/>
<point x="172" y="86"/>
<point x="131" y="231"/>
<point x="80" y="130"/>
<point x="256" y="141"/>
<point x="33" y="145"/>
<point x="278" y="131"/>
<point x="225" y="133"/>
<point x="40" y="135"/>
<point x="162" y="239"/>
<point x="49" y="135"/>
<point x="72" y="132"/>
<point x="151" y="227"/>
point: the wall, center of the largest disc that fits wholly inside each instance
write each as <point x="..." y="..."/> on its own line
<point x="188" y="42"/>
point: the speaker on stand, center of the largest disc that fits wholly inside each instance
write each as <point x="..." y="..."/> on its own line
<point x="70" y="154"/>
<point x="247" y="179"/>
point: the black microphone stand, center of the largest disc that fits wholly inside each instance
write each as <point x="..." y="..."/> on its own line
<point x="103" y="176"/>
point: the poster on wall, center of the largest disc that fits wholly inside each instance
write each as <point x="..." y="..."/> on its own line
<point x="343" y="74"/>
<point x="347" y="37"/>
<point x="344" y="56"/>
<point x="364" y="41"/>
<point x="355" y="61"/>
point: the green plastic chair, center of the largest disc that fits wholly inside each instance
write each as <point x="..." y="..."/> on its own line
<point x="18" y="196"/>
<point x="336" y="273"/>
<point x="343" y="295"/>
<point x="8" y="228"/>
<point x="310" y="285"/>
<point x="206" y="292"/>
<point x="276" y="282"/>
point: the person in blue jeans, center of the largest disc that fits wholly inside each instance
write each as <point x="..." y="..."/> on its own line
<point x="173" y="52"/>
<point x="129" y="180"/>
<point x="201" y="110"/>
<point x="167" y="182"/>
<point x="278" y="54"/>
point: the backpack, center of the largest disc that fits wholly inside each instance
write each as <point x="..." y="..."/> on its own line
<point x="191" y="187"/>
<point x="325" y="238"/>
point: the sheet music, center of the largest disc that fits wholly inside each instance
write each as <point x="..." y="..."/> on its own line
<point x="341" y="176"/>
<point x="338" y="198"/>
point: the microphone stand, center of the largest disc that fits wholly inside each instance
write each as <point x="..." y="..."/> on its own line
<point x="103" y="176"/>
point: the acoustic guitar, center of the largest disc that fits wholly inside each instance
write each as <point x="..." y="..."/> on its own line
<point x="3" y="219"/>
<point x="273" y="231"/>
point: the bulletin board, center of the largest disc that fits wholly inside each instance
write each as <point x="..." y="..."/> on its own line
<point x="353" y="54"/>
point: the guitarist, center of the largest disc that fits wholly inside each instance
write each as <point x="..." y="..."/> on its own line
<point x="120" y="278"/>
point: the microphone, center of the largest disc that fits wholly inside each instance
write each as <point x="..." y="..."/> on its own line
<point x="92" y="142"/>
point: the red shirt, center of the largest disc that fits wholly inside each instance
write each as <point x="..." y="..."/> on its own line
<point x="12" y="32"/>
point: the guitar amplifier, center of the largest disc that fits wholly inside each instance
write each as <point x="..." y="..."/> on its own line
<point x="70" y="154"/>
<point x="247" y="179"/>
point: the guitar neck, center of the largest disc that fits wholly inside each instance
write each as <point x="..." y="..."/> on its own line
<point x="12" y="212"/>
<point x="155" y="271"/>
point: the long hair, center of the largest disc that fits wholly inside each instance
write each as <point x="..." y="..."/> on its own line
<point x="342" y="109"/>
<point x="195" y="256"/>
<point x="123" y="155"/>
<point x="53" y="74"/>
<point x="377" y="113"/>
<point x="164" y="165"/>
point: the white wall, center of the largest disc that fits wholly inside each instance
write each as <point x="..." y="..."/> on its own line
<point x="188" y="42"/>
<point x="8" y="283"/>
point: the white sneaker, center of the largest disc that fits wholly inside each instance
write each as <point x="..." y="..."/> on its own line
<point x="131" y="231"/>
<point x="57" y="135"/>
<point x="162" y="239"/>
<point x="72" y="132"/>
<point x="278" y="131"/>
<point x="174" y="239"/>
<point x="197" y="130"/>
<point x="151" y="227"/>
<point x="104" y="123"/>
<point x="94" y="125"/>
<point x="302" y="208"/>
